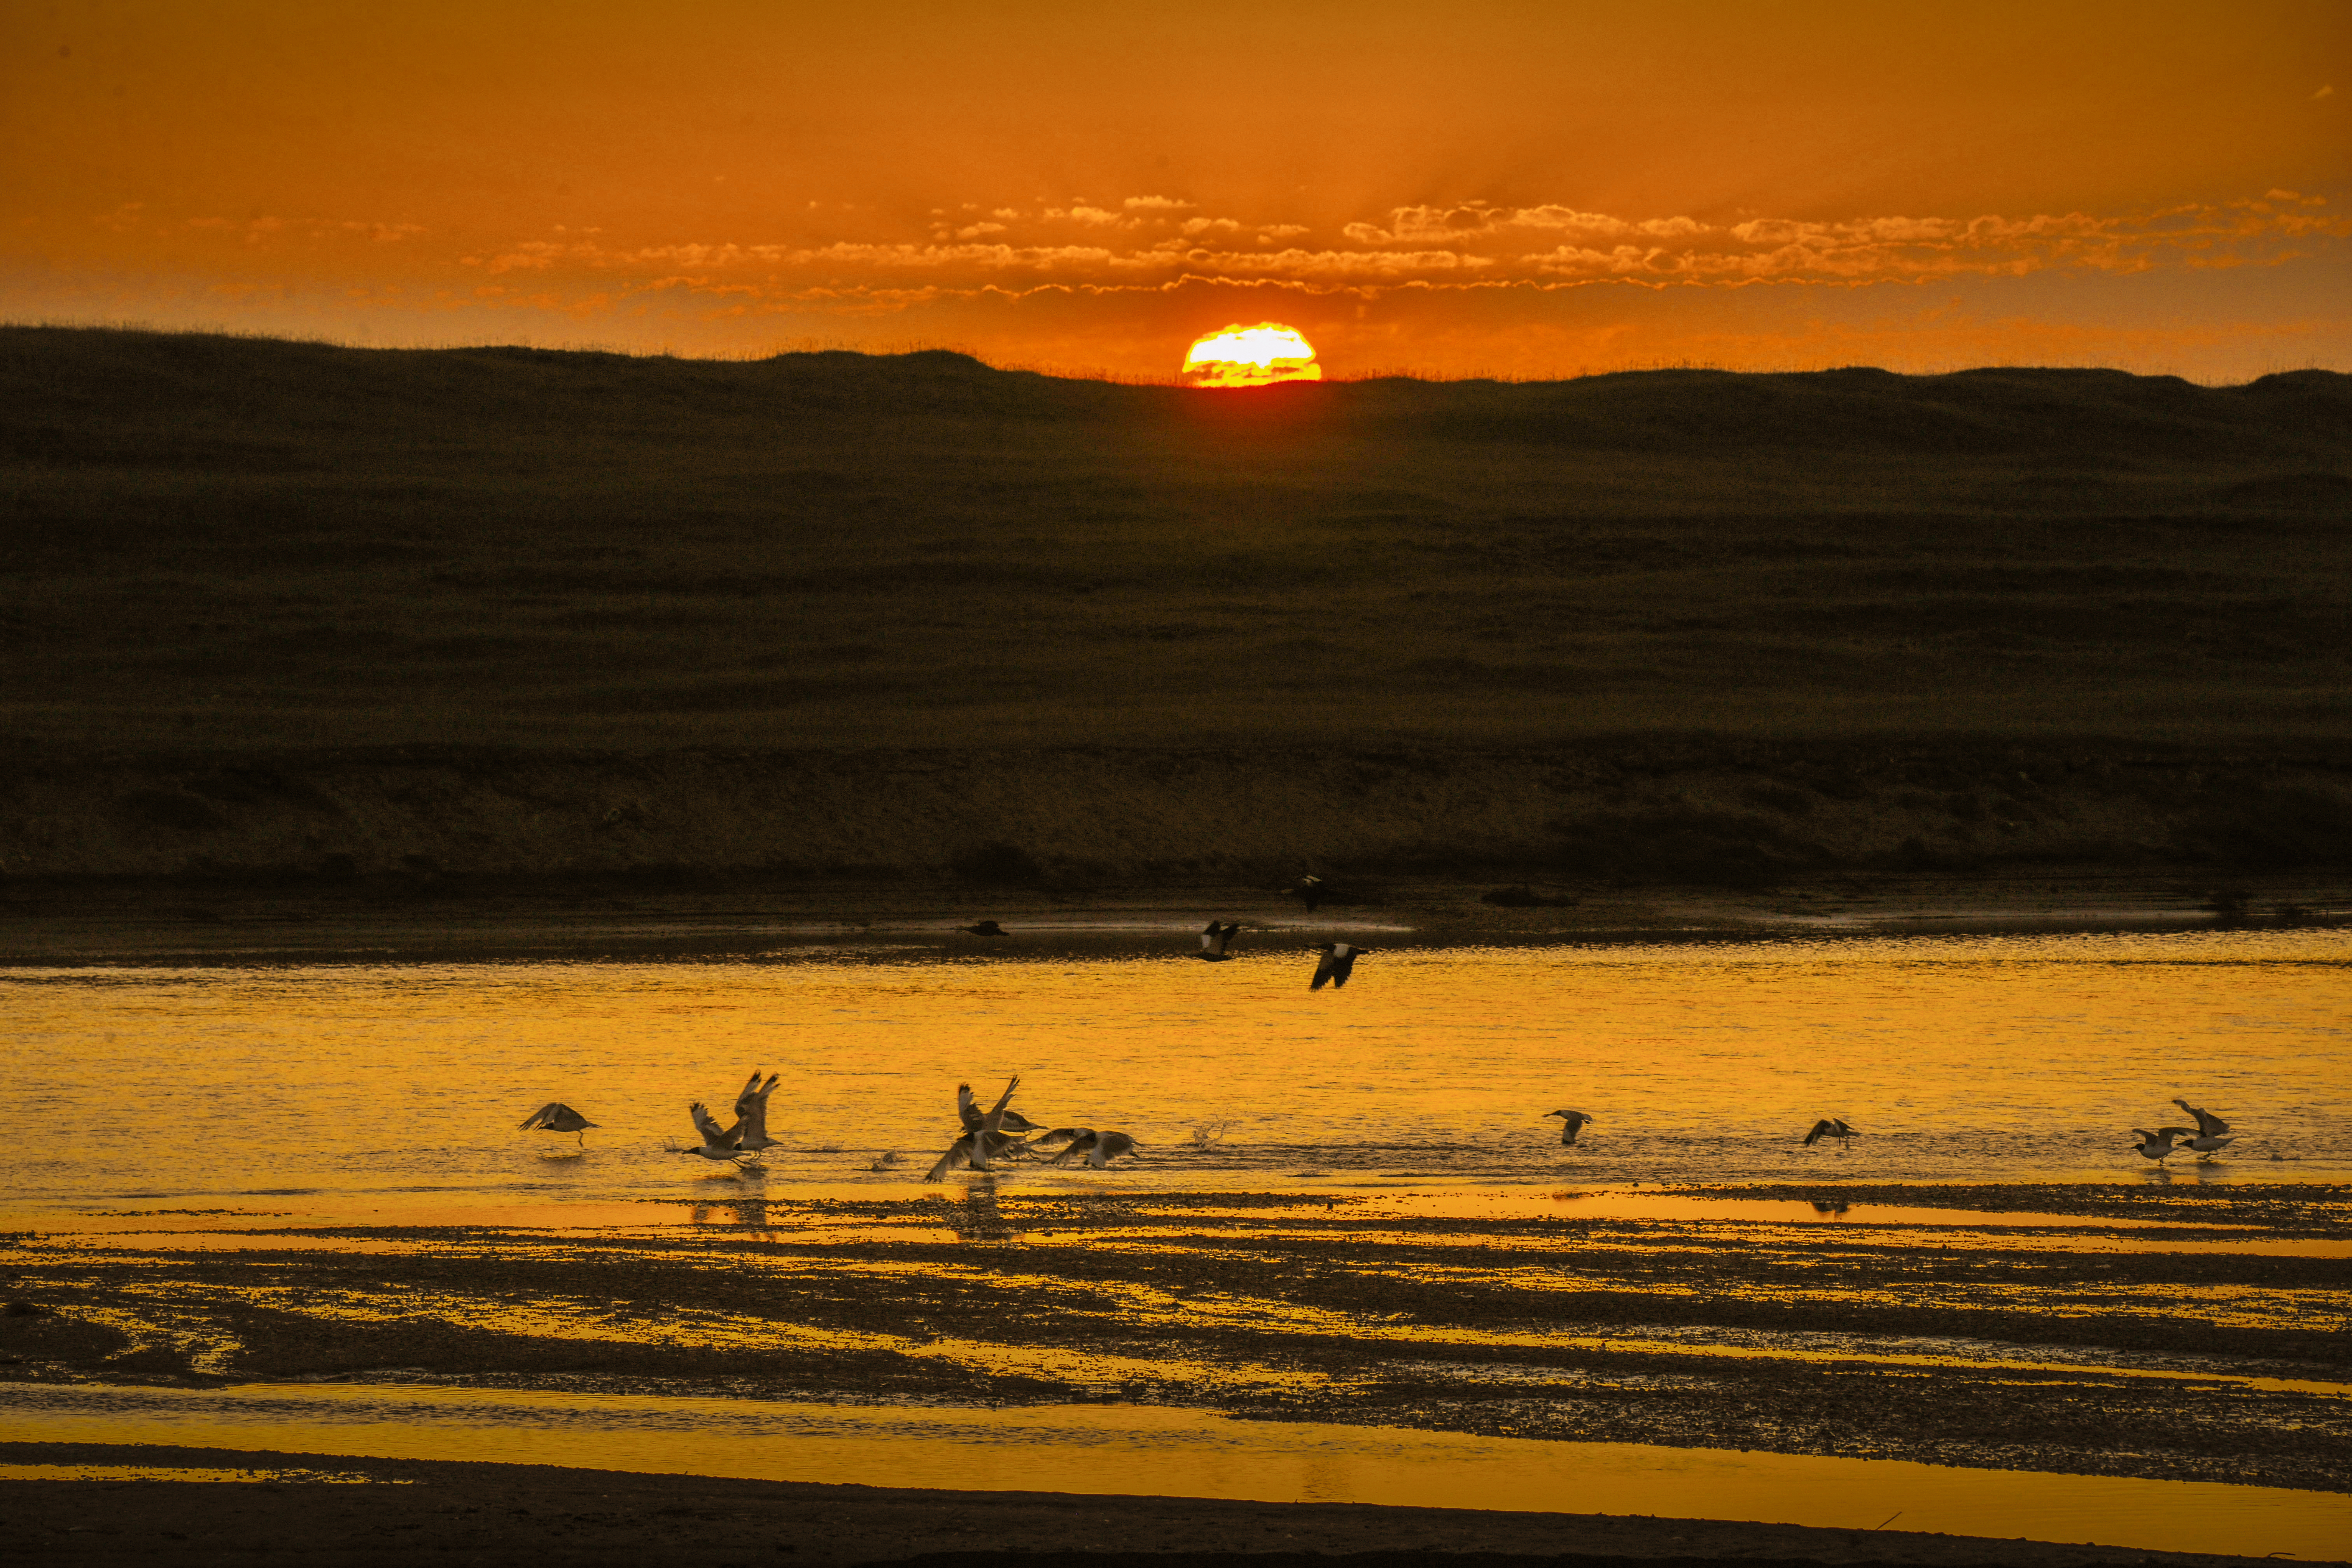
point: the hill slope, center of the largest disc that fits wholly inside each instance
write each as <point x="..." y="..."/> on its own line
<point x="313" y="571"/>
<point x="230" y="543"/>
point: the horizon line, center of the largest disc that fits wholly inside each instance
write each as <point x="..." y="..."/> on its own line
<point x="1095" y="374"/>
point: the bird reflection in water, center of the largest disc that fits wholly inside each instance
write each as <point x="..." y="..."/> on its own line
<point x="977" y="1218"/>
<point x="1835" y="1210"/>
<point x="752" y="1214"/>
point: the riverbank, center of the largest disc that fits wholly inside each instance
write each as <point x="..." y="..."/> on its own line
<point x="173" y="920"/>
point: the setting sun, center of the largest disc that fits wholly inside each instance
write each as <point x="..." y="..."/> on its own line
<point x="1250" y="356"/>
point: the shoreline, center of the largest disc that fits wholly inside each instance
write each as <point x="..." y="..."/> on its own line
<point x="151" y="921"/>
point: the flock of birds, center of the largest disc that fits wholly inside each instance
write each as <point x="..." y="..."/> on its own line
<point x="1001" y="1133"/>
<point x="996" y="1133"/>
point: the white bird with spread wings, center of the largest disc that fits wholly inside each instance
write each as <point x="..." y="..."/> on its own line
<point x="987" y="1133"/>
<point x="748" y="1137"/>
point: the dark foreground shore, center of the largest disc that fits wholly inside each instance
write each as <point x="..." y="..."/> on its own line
<point x="433" y="1512"/>
<point x="2004" y="1341"/>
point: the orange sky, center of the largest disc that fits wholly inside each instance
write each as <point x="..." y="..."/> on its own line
<point x="1522" y="188"/>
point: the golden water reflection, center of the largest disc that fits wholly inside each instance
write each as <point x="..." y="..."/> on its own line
<point x="1960" y="1059"/>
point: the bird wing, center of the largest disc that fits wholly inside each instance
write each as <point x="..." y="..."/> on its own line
<point x="995" y="1117"/>
<point x="959" y="1154"/>
<point x="748" y="1095"/>
<point x="713" y="1135"/>
<point x="1324" y="971"/>
<point x="1343" y="964"/>
<point x="966" y="1108"/>
<point x="1821" y="1129"/>
<point x="1060" y="1135"/>
<point x="2207" y="1122"/>
<point x="1013" y="1121"/>
<point x="751" y="1123"/>
<point x="2176" y="1132"/>
<point x="1109" y="1146"/>
<point x="543" y="1116"/>
<point x="1083" y="1143"/>
<point x="1844" y="1130"/>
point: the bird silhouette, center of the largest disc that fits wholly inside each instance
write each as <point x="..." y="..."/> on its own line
<point x="985" y="1135"/>
<point x="1339" y="963"/>
<point x="752" y="1114"/>
<point x="1830" y="1127"/>
<point x="1572" y="1123"/>
<point x="1214" y="940"/>
<point x="1098" y="1148"/>
<point x="2158" y="1145"/>
<point x="557" y="1117"/>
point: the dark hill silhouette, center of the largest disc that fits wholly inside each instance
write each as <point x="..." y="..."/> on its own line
<point x="99" y="391"/>
<point x="230" y="547"/>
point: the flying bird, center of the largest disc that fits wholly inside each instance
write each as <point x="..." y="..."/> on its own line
<point x="2158" y="1145"/>
<point x="752" y="1114"/>
<point x="749" y="1136"/>
<point x="1309" y="890"/>
<point x="968" y="1110"/>
<point x="1099" y="1148"/>
<point x="1339" y="963"/>
<point x="1572" y="1123"/>
<point x="718" y="1142"/>
<point x="1214" y="940"/>
<point x="985" y="1135"/>
<point x="1831" y="1127"/>
<point x="557" y="1117"/>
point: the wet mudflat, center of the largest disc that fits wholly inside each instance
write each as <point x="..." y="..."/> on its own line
<point x="105" y="1509"/>
<point x="2139" y="1338"/>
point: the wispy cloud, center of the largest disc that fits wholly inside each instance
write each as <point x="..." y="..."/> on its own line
<point x="260" y="231"/>
<point x="1149" y="242"/>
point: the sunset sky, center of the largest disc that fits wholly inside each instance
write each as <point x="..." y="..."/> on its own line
<point x="1526" y="189"/>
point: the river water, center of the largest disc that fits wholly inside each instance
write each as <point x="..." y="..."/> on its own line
<point x="1960" y="1059"/>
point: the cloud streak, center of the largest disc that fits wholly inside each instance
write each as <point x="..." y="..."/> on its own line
<point x="1157" y="241"/>
<point x="1547" y="244"/>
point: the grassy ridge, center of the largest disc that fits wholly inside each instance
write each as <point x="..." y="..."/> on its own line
<point x="224" y="546"/>
<point x="1712" y="813"/>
